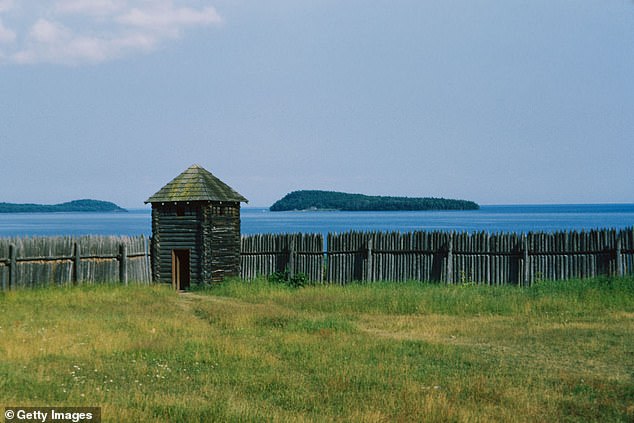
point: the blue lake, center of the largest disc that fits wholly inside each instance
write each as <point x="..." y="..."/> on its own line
<point x="513" y="218"/>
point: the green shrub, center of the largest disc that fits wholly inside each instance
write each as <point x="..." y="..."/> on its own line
<point x="296" y="280"/>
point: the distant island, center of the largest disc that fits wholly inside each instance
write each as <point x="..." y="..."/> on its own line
<point x="71" y="206"/>
<point x="331" y="200"/>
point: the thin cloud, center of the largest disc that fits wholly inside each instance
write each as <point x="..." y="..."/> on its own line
<point x="6" y="5"/>
<point x="6" y="35"/>
<point x="166" y="17"/>
<point x="93" y="31"/>
<point x="47" y="32"/>
<point x="90" y="7"/>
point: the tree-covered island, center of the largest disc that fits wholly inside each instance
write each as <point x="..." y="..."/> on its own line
<point x="331" y="200"/>
<point x="71" y="206"/>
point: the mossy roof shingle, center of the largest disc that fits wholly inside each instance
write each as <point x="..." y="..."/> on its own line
<point x="196" y="184"/>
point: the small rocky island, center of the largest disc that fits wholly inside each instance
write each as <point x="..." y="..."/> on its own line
<point x="71" y="206"/>
<point x="331" y="200"/>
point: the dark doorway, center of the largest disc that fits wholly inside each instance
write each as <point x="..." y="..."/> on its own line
<point x="180" y="269"/>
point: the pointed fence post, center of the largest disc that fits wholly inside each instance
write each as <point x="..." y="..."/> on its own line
<point x="370" y="270"/>
<point x="147" y="260"/>
<point x="123" y="264"/>
<point x="291" y="257"/>
<point x="450" y="259"/>
<point x="526" y="259"/>
<point x="76" y="263"/>
<point x="619" y="256"/>
<point x="13" y="266"/>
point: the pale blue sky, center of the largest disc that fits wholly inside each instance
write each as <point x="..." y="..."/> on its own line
<point x="496" y="101"/>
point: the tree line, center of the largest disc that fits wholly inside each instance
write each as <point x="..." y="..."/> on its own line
<point x="331" y="200"/>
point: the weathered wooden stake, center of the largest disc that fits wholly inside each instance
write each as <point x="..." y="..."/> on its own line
<point x="370" y="271"/>
<point x="619" y="257"/>
<point x="450" y="260"/>
<point x="291" y="256"/>
<point x="147" y="258"/>
<point x="526" y="279"/>
<point x="77" y="263"/>
<point x="123" y="264"/>
<point x="13" y="266"/>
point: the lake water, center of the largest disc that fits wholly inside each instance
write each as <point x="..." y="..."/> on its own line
<point x="515" y="218"/>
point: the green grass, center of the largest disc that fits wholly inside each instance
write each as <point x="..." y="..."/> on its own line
<point x="364" y="352"/>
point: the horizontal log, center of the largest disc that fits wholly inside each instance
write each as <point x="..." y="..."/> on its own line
<point x="607" y="252"/>
<point x="82" y="257"/>
<point x="135" y="255"/>
<point x="489" y="253"/>
<point x="405" y="252"/>
<point x="188" y="244"/>
<point x="62" y="258"/>
<point x="264" y="253"/>
<point x="518" y="253"/>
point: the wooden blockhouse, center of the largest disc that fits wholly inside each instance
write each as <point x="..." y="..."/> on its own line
<point x="195" y="230"/>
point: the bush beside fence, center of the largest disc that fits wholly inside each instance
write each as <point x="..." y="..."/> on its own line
<point x="265" y="254"/>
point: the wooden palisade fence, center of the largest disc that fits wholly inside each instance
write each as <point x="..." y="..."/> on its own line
<point x="262" y="255"/>
<point x="449" y="257"/>
<point x="483" y="258"/>
<point x="41" y="261"/>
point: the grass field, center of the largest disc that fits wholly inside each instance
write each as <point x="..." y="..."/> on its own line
<point x="379" y="352"/>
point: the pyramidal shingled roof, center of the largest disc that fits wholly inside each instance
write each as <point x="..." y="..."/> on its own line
<point x="196" y="184"/>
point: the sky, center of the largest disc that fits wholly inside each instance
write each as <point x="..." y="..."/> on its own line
<point x="495" y="101"/>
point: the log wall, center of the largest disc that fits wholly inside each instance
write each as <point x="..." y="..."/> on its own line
<point x="481" y="258"/>
<point x="44" y="261"/>
<point x="176" y="228"/>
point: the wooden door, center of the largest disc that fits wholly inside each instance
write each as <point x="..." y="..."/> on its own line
<point x="180" y="269"/>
